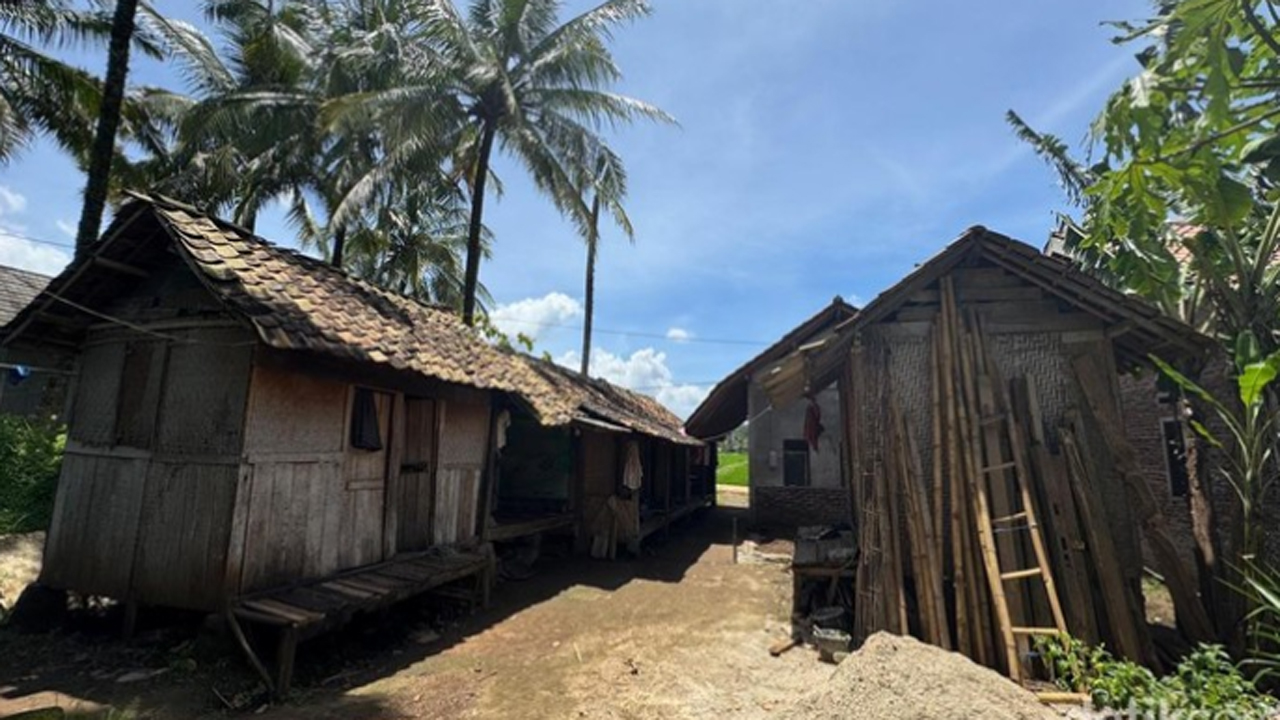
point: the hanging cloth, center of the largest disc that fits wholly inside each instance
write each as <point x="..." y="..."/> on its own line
<point x="365" y="433"/>
<point x="813" y="423"/>
<point x="633" y="471"/>
<point x="504" y="424"/>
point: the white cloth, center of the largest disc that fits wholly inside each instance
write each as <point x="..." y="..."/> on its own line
<point x="504" y="422"/>
<point x="633" y="472"/>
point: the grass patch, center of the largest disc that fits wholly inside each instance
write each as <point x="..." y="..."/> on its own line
<point x="732" y="469"/>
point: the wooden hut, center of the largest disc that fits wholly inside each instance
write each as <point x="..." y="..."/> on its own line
<point x="253" y="432"/>
<point x="33" y="377"/>
<point x="586" y="463"/>
<point x="795" y="475"/>
<point x="996" y="494"/>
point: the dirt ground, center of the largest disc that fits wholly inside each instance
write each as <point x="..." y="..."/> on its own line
<point x="681" y="632"/>
<point x="19" y="564"/>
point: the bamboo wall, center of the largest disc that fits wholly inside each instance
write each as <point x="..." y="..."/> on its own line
<point x="922" y="567"/>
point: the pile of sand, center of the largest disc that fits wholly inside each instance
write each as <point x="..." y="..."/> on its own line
<point x="900" y="677"/>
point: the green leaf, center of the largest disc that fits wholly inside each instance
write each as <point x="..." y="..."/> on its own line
<point x="1237" y="201"/>
<point x="1261" y="149"/>
<point x="1247" y="349"/>
<point x="1255" y="378"/>
<point x="1182" y="381"/>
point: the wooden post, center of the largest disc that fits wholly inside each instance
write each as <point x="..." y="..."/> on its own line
<point x="286" y="652"/>
<point x="735" y="541"/>
<point x="1104" y="407"/>
<point x="1128" y="628"/>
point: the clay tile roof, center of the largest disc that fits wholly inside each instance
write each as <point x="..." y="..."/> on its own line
<point x="17" y="289"/>
<point x="578" y="397"/>
<point x="295" y="302"/>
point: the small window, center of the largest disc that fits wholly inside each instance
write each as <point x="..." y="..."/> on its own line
<point x="365" y="434"/>
<point x="795" y="463"/>
<point x="1175" y="455"/>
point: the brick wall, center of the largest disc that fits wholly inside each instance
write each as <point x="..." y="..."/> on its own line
<point x="790" y="507"/>
<point x="1143" y="416"/>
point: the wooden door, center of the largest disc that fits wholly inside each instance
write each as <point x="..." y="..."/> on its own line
<point x="366" y="480"/>
<point x="413" y="528"/>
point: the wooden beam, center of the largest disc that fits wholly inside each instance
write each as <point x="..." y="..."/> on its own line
<point x="1094" y="380"/>
<point x="117" y="266"/>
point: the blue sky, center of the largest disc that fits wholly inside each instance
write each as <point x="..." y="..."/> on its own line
<point x="825" y="147"/>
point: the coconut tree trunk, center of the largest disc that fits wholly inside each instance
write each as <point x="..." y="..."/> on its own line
<point x="593" y="243"/>
<point x="104" y="140"/>
<point x="471" y="280"/>
<point x="339" y="247"/>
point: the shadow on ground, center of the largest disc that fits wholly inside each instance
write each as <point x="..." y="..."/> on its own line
<point x="174" y="669"/>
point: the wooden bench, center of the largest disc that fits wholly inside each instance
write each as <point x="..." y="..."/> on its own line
<point x="305" y="610"/>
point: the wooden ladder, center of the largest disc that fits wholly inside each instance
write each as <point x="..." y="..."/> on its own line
<point x="1015" y="632"/>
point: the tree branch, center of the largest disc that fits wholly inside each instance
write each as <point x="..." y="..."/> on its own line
<point x="1258" y="28"/>
<point x="1220" y="135"/>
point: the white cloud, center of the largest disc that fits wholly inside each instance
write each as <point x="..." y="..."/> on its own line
<point x="532" y="316"/>
<point x="67" y="227"/>
<point x="17" y="251"/>
<point x="11" y="201"/>
<point x="24" y="254"/>
<point x="680" y="335"/>
<point x="644" y="371"/>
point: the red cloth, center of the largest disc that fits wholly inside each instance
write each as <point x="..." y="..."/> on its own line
<point x="813" y="424"/>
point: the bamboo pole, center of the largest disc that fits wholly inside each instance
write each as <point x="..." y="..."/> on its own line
<point x="960" y="589"/>
<point x="929" y="573"/>
<point x="937" y="451"/>
<point x="982" y="517"/>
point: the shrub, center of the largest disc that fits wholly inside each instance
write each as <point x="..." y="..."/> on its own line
<point x="1206" y="684"/>
<point x="30" y="458"/>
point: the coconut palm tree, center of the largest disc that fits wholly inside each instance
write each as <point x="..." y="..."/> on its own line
<point x="530" y="86"/>
<point x="605" y="180"/>
<point x="38" y="92"/>
<point x="103" y="150"/>
<point x="413" y="243"/>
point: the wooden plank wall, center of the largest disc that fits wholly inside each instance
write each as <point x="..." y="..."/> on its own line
<point x="417" y="475"/>
<point x="184" y="528"/>
<point x="464" y="443"/>
<point x="145" y="500"/>
<point x="95" y="523"/>
<point x="314" y="507"/>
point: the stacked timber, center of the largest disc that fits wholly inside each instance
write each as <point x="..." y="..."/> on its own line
<point x="1004" y="535"/>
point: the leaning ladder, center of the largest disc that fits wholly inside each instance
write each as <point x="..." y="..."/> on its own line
<point x="1014" y="633"/>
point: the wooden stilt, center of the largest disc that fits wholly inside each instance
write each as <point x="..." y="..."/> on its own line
<point x="286" y="652"/>
<point x="238" y="633"/>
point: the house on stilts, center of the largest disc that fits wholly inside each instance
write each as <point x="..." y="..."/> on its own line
<point x="254" y="433"/>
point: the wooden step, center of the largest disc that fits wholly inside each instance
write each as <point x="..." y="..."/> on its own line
<point x="1020" y="574"/>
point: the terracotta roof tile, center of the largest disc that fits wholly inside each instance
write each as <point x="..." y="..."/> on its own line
<point x="295" y="302"/>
